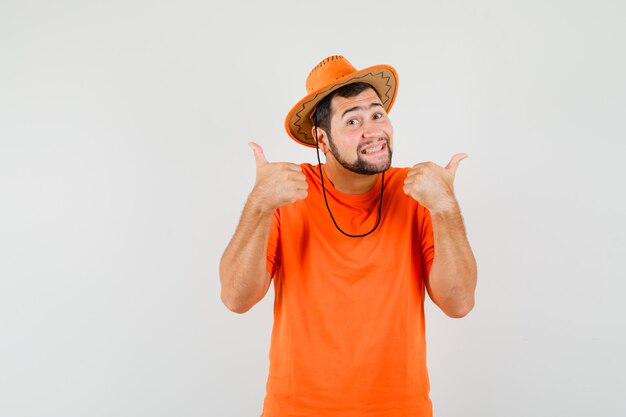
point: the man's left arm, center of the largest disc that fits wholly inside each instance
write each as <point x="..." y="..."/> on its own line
<point x="452" y="280"/>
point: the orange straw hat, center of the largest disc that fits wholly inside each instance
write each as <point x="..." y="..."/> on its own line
<point x="330" y="74"/>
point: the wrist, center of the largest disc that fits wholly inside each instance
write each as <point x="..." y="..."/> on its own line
<point x="259" y="205"/>
<point x="445" y="208"/>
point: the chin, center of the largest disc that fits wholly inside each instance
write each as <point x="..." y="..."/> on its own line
<point x="383" y="165"/>
<point x="365" y="168"/>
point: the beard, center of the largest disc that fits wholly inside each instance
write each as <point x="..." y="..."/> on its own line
<point x="361" y="166"/>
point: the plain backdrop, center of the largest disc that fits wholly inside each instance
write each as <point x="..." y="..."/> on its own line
<point x="124" y="167"/>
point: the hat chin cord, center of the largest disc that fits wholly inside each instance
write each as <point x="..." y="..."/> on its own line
<point x="382" y="189"/>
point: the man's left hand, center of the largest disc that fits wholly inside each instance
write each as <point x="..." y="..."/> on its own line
<point x="432" y="185"/>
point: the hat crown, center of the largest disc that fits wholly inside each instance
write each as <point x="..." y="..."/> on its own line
<point x="327" y="71"/>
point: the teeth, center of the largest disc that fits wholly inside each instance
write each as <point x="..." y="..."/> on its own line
<point x="376" y="149"/>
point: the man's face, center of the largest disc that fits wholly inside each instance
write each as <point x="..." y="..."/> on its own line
<point x="361" y="135"/>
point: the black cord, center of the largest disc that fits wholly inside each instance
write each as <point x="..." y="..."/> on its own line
<point x="382" y="189"/>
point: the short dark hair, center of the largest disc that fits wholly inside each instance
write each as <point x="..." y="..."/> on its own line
<point x="322" y="110"/>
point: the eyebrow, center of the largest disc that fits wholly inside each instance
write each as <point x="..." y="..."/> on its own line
<point x="360" y="108"/>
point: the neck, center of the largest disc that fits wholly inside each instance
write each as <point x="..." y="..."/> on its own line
<point x="346" y="181"/>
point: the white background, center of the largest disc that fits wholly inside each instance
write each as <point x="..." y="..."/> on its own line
<point x="124" y="168"/>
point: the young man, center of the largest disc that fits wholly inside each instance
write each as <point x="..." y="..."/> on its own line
<point x="352" y="246"/>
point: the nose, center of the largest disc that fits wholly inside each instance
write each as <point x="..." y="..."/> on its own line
<point x="371" y="129"/>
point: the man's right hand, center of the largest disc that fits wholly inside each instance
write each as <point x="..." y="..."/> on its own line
<point x="278" y="183"/>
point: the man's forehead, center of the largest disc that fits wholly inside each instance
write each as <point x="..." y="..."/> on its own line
<point x="364" y="99"/>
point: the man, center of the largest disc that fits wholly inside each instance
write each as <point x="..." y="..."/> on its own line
<point x="352" y="246"/>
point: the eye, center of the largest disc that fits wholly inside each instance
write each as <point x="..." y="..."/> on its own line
<point x="378" y="116"/>
<point x="352" y="122"/>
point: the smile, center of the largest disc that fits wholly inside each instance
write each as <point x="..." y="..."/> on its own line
<point x="380" y="146"/>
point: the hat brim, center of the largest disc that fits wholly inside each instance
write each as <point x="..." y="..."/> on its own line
<point x="298" y="123"/>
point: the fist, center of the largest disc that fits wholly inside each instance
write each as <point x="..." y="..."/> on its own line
<point x="277" y="184"/>
<point x="432" y="185"/>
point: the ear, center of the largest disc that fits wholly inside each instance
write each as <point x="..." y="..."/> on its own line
<point x="322" y="139"/>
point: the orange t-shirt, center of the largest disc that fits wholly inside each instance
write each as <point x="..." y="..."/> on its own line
<point x="349" y="335"/>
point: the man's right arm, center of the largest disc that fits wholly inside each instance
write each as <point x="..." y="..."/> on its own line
<point x="243" y="275"/>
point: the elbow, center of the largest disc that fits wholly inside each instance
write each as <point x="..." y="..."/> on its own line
<point x="461" y="300"/>
<point x="237" y="309"/>
<point x="238" y="293"/>
<point x="229" y="298"/>
<point x="460" y="310"/>
<point x="239" y="300"/>
<point x="233" y="305"/>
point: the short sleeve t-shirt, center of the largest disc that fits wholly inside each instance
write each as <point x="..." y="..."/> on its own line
<point x="349" y="333"/>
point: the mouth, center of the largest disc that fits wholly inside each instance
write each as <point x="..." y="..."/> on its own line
<point x="374" y="149"/>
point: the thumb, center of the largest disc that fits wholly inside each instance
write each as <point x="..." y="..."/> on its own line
<point x="259" y="155"/>
<point x="454" y="162"/>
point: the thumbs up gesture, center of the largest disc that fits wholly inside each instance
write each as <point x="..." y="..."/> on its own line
<point x="277" y="183"/>
<point x="432" y="185"/>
